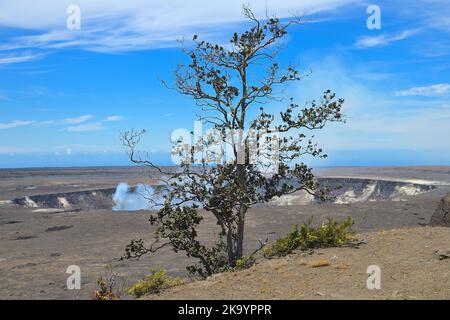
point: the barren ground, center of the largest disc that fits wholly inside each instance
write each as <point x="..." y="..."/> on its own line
<point x="37" y="247"/>
<point x="409" y="270"/>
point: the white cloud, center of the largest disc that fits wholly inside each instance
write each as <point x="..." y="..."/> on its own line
<point x="75" y="124"/>
<point x="90" y="148"/>
<point x="428" y="91"/>
<point x="17" y="58"/>
<point x="14" y="150"/>
<point x="167" y="115"/>
<point x="113" y="118"/>
<point x="77" y="120"/>
<point x="86" y="127"/>
<point x="68" y="150"/>
<point x="116" y="25"/>
<point x="436" y="13"/>
<point x="15" y="124"/>
<point x="375" y="121"/>
<point x="383" y="40"/>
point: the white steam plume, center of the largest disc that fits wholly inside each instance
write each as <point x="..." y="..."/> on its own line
<point x="142" y="197"/>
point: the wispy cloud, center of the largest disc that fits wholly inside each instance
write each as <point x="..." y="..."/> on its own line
<point x="17" y="150"/>
<point x="439" y="89"/>
<point x="116" y="25"/>
<point x="68" y="150"/>
<point x="77" y="120"/>
<point x="92" y="126"/>
<point x="376" y="120"/>
<point x="167" y="115"/>
<point x="85" y="127"/>
<point x="436" y="13"/>
<point x="113" y="118"/>
<point x="18" y="58"/>
<point x="75" y="124"/>
<point x="383" y="40"/>
<point x="15" y="124"/>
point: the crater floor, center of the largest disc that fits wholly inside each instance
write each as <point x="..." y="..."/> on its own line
<point x="37" y="246"/>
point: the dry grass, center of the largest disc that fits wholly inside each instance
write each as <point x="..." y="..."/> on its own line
<point x="409" y="270"/>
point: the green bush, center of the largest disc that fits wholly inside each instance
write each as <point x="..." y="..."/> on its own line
<point x="305" y="236"/>
<point x="105" y="290"/>
<point x="153" y="283"/>
<point x="245" y="262"/>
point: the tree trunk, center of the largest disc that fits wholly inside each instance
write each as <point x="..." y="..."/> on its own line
<point x="230" y="246"/>
<point x="240" y="233"/>
<point x="242" y="167"/>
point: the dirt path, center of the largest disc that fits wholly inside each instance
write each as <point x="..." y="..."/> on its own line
<point x="409" y="270"/>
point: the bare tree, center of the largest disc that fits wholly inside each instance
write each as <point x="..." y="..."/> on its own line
<point x="228" y="82"/>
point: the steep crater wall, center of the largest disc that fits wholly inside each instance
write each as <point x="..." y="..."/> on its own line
<point x="344" y="191"/>
<point x="352" y="190"/>
<point x="89" y="199"/>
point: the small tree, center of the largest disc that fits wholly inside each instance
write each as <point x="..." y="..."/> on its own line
<point x="228" y="83"/>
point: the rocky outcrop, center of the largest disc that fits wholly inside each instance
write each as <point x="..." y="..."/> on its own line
<point x="88" y="199"/>
<point x="441" y="217"/>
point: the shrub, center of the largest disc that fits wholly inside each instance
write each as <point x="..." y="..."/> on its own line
<point x="245" y="262"/>
<point x="105" y="290"/>
<point x="330" y="234"/>
<point x="153" y="283"/>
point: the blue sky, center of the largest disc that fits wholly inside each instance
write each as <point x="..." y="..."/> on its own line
<point x="65" y="95"/>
